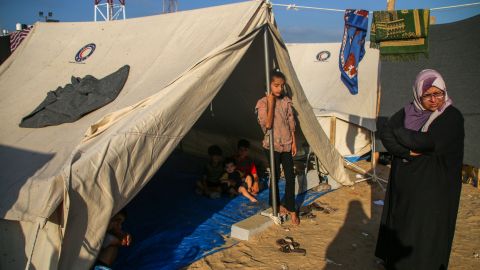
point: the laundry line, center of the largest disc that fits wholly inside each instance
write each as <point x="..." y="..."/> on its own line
<point x="295" y="7"/>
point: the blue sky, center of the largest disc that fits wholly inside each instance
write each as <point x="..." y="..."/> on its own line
<point x="295" y="26"/>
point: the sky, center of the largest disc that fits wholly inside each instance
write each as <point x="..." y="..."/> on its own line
<point x="295" y="25"/>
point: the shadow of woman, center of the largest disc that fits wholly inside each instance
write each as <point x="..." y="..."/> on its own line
<point x="354" y="244"/>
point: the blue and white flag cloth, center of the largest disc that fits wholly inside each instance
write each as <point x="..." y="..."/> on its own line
<point x="353" y="47"/>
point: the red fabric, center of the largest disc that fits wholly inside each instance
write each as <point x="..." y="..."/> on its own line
<point x="246" y="166"/>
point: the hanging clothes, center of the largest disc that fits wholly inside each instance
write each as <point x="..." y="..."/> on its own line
<point x="17" y="37"/>
<point x="353" y="47"/>
<point x="400" y="34"/>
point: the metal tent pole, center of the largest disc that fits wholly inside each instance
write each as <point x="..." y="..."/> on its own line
<point x="273" y="177"/>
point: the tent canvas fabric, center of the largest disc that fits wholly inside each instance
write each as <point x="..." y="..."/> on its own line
<point x="61" y="184"/>
<point x="454" y="52"/>
<point x="329" y="97"/>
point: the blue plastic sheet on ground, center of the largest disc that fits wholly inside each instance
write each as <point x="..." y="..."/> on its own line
<point x="172" y="226"/>
<point x="354" y="159"/>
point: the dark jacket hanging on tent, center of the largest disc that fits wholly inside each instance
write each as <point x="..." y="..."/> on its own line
<point x="421" y="203"/>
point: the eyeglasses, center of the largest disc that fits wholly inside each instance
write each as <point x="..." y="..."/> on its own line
<point x="438" y="95"/>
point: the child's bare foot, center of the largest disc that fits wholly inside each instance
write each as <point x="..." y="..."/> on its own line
<point x="295" y="219"/>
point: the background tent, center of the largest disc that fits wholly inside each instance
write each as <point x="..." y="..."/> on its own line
<point x="355" y="114"/>
<point x="454" y="51"/>
<point x="61" y="184"/>
<point x="4" y="48"/>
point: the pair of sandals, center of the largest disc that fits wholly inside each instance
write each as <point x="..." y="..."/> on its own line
<point x="288" y="245"/>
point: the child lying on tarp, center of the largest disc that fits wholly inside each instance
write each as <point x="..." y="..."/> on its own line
<point x="233" y="181"/>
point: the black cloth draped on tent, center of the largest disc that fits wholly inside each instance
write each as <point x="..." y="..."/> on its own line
<point x="455" y="52"/>
<point x="68" y="104"/>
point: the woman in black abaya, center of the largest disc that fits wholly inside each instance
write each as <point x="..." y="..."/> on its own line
<point x="426" y="140"/>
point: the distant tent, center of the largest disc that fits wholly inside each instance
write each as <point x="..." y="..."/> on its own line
<point x="351" y="117"/>
<point x="61" y="184"/>
<point x="4" y="48"/>
<point x="455" y="52"/>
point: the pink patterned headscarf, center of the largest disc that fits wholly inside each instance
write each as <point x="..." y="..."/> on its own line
<point x="416" y="116"/>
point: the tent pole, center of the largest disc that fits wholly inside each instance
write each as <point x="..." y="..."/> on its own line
<point x="375" y="178"/>
<point x="273" y="177"/>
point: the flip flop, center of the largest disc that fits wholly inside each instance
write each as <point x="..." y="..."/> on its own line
<point x="329" y="210"/>
<point x="305" y="209"/>
<point x="308" y="216"/>
<point x="287" y="241"/>
<point x="316" y="207"/>
<point x="292" y="249"/>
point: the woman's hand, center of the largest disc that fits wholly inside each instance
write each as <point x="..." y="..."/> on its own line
<point x="294" y="149"/>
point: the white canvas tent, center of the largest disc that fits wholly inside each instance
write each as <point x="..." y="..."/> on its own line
<point x="61" y="184"/>
<point x="349" y="118"/>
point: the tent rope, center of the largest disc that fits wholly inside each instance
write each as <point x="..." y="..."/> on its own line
<point x="295" y="7"/>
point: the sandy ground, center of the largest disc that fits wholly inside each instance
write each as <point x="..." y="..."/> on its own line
<point x="346" y="238"/>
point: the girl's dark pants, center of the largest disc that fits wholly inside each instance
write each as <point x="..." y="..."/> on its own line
<point x="284" y="158"/>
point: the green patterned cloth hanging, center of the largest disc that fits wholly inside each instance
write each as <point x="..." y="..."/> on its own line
<point x="400" y="34"/>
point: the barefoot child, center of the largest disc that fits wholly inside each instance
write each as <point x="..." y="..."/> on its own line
<point x="233" y="181"/>
<point x="275" y="113"/>
<point x="246" y="165"/>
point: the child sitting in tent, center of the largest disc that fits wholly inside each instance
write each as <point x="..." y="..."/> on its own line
<point x="234" y="184"/>
<point x="210" y="184"/>
<point x="114" y="238"/>
<point x="246" y="166"/>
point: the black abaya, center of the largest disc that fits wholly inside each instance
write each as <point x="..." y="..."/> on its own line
<point x="421" y="203"/>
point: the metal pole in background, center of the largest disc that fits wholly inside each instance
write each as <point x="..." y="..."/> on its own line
<point x="273" y="177"/>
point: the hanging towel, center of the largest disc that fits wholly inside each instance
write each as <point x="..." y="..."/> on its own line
<point x="400" y="34"/>
<point x="353" y="47"/>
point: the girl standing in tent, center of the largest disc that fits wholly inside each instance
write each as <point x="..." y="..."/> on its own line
<point x="426" y="140"/>
<point x="275" y="112"/>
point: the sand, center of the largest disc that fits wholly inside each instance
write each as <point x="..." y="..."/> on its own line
<point x="346" y="238"/>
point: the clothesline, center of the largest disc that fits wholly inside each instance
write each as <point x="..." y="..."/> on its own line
<point x="295" y="7"/>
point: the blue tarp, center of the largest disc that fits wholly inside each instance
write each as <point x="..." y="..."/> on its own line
<point x="172" y="226"/>
<point x="354" y="159"/>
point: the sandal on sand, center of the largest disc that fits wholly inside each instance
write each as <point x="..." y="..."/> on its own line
<point x="292" y="249"/>
<point x="316" y="206"/>
<point x="305" y="209"/>
<point x="287" y="241"/>
<point x="308" y="216"/>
